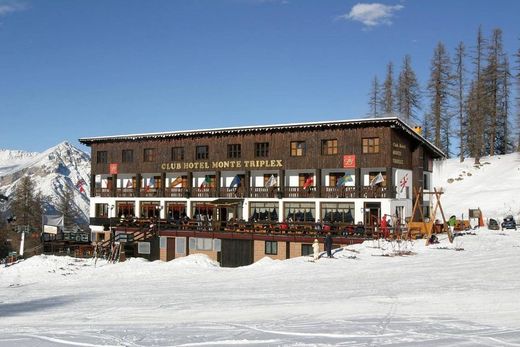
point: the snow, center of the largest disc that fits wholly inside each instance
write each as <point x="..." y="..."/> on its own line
<point x="369" y="295"/>
<point x="436" y="296"/>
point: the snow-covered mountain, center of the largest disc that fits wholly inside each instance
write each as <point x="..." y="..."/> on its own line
<point x="51" y="171"/>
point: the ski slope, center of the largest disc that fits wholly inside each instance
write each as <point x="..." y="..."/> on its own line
<point x="436" y="296"/>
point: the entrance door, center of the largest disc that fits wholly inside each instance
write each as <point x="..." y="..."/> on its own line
<point x="372" y="213"/>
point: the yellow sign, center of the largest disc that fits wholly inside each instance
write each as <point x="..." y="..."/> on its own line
<point x="226" y="164"/>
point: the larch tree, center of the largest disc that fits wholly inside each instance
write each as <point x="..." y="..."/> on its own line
<point x="459" y="84"/>
<point x="388" y="90"/>
<point x="66" y="206"/>
<point x="375" y="99"/>
<point x="518" y="99"/>
<point x="438" y="89"/>
<point x="408" y="92"/>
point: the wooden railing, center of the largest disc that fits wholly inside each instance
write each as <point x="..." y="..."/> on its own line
<point x="126" y="192"/>
<point x="299" y="192"/>
<point x="176" y="192"/>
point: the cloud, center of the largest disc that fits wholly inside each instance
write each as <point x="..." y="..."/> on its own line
<point x="7" y="7"/>
<point x="373" y="14"/>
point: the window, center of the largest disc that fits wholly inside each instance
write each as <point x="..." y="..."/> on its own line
<point x="262" y="149"/>
<point x="426" y="182"/>
<point x="329" y="147"/>
<point x="341" y="212"/>
<point x="177" y="153"/>
<point x="102" y="157"/>
<point x="271" y="247"/>
<point x="297" y="148"/>
<point x="102" y="210"/>
<point x="150" y="209"/>
<point x="126" y="208"/>
<point x="371" y="145"/>
<point x="300" y="211"/>
<point x="264" y="211"/>
<point x="201" y="152"/>
<point x="234" y="151"/>
<point x="149" y="154"/>
<point x="127" y="155"/>
<point x="307" y="249"/>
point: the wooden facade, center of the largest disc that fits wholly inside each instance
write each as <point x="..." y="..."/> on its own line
<point x="173" y="174"/>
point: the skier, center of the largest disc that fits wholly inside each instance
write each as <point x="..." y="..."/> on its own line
<point x="328" y="245"/>
<point x="316" y="249"/>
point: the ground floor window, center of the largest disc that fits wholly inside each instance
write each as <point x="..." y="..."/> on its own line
<point x="263" y="211"/>
<point x="125" y="208"/>
<point x="342" y="212"/>
<point x="299" y="211"/>
<point x="271" y="247"/>
<point x="175" y="210"/>
<point x="150" y="209"/>
<point x="102" y="210"/>
<point x="307" y="249"/>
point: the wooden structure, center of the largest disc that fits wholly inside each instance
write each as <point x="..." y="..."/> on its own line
<point x="348" y="172"/>
<point x="427" y="225"/>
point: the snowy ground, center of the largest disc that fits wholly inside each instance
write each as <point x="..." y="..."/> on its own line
<point x="435" y="297"/>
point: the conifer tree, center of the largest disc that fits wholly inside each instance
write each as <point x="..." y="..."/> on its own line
<point x="438" y="88"/>
<point x="459" y="96"/>
<point x="66" y="206"/>
<point x="375" y="99"/>
<point x="408" y="92"/>
<point x="388" y="90"/>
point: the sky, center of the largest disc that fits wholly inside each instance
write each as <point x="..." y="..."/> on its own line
<point x="72" y="69"/>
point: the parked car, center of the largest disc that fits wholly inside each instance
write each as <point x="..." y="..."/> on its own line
<point x="509" y="223"/>
<point x="493" y="224"/>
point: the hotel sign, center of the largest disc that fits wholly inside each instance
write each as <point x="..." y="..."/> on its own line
<point x="397" y="153"/>
<point x="225" y="164"/>
<point x="349" y="161"/>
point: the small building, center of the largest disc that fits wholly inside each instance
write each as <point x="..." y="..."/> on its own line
<point x="241" y="193"/>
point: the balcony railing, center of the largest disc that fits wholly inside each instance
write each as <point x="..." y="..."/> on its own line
<point x="331" y="192"/>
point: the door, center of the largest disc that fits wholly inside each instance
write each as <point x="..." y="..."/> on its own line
<point x="372" y="213"/>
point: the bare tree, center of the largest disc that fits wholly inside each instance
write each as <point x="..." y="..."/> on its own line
<point x="408" y="92"/>
<point x="388" y="90"/>
<point x="375" y="98"/>
<point x="66" y="206"/>
<point x="459" y="95"/>
<point x="438" y="88"/>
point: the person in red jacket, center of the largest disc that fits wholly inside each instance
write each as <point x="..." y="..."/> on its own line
<point x="385" y="233"/>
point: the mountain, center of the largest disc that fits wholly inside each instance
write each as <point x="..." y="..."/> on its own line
<point x="51" y="171"/>
<point x="493" y="186"/>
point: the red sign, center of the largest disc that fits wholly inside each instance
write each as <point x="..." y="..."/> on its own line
<point x="113" y="169"/>
<point x="349" y="161"/>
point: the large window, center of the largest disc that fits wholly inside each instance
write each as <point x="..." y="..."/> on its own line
<point x="177" y="153"/>
<point x="271" y="247"/>
<point x="150" y="209"/>
<point x="149" y="154"/>
<point x="102" y="210"/>
<point x="175" y="210"/>
<point x="234" y="151"/>
<point x="264" y="211"/>
<point x="329" y="147"/>
<point x="342" y="212"/>
<point x="101" y="157"/>
<point x="371" y="145"/>
<point x="300" y="211"/>
<point x="127" y="156"/>
<point x="297" y="148"/>
<point x="262" y="149"/>
<point x="125" y="208"/>
<point x="201" y="152"/>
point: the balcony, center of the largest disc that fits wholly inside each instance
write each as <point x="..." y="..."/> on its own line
<point x="299" y="192"/>
<point x="124" y="192"/>
<point x="203" y="193"/>
<point x="232" y="192"/>
<point x="103" y="192"/>
<point x="176" y="192"/>
<point x="151" y="192"/>
<point x="263" y="192"/>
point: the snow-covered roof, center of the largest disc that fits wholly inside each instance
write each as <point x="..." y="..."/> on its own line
<point x="263" y="128"/>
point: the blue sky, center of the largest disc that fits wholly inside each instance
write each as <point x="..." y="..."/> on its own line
<point x="71" y="69"/>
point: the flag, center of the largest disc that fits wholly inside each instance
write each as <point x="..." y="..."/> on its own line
<point x="235" y="182"/>
<point x="378" y="179"/>
<point x="176" y="181"/>
<point x="129" y="183"/>
<point x="308" y="182"/>
<point x="343" y="180"/>
<point x="271" y="182"/>
<point x="79" y="185"/>
<point x="151" y="184"/>
<point x="206" y="182"/>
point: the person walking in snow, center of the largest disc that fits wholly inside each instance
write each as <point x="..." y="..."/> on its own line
<point x="384" y="228"/>
<point x="328" y="245"/>
<point x="316" y="249"/>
